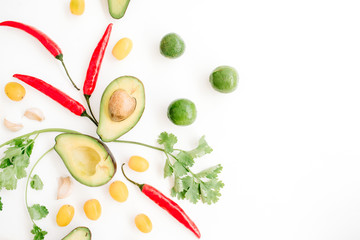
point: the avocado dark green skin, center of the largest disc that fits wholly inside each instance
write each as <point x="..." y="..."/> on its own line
<point x="99" y="142"/>
<point x="87" y="233"/>
<point x="118" y="12"/>
<point x="172" y="46"/>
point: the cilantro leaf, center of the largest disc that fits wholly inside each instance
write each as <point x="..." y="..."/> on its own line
<point x="14" y="162"/>
<point x="193" y="193"/>
<point x="38" y="232"/>
<point x="36" y="183"/>
<point x="202" y="149"/>
<point x="185" y="158"/>
<point x="211" y="172"/>
<point x="1" y="205"/>
<point x="204" y="186"/>
<point x="38" y="212"/>
<point x="210" y="191"/>
<point x="8" y="179"/>
<point x="179" y="169"/>
<point x="168" y="140"/>
<point x="168" y="169"/>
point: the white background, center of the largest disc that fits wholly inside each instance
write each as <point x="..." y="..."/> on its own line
<point x="288" y="138"/>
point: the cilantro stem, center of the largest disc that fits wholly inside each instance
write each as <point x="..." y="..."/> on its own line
<point x="39" y="132"/>
<point x="159" y="149"/>
<point x="141" y="144"/>
<point x="28" y="179"/>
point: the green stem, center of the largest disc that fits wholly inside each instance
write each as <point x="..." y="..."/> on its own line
<point x="28" y="179"/>
<point x="63" y="130"/>
<point x="67" y="73"/>
<point x="141" y="144"/>
<point x="85" y="114"/>
<point x="159" y="149"/>
<point x="87" y="98"/>
<point x="133" y="182"/>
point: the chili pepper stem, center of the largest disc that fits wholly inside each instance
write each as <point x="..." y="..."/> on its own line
<point x="87" y="98"/>
<point x="61" y="59"/>
<point x="137" y="184"/>
<point x="85" y="114"/>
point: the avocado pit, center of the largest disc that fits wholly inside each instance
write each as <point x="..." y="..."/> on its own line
<point x="121" y="105"/>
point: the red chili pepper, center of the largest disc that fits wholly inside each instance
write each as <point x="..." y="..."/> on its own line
<point x="95" y="63"/>
<point x="166" y="203"/>
<point x="48" y="43"/>
<point x="55" y="94"/>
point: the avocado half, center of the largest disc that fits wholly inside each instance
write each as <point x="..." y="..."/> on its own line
<point x="88" y="160"/>
<point x="79" y="233"/>
<point x="110" y="129"/>
<point x="117" y="8"/>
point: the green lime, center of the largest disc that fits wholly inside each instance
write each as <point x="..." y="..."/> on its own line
<point x="182" y="112"/>
<point x="224" y="79"/>
<point x="172" y="46"/>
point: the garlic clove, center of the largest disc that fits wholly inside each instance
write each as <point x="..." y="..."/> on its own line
<point x="34" y="114"/>
<point x="65" y="187"/>
<point x="12" y="126"/>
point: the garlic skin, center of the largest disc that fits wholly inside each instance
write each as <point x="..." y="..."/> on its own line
<point x="34" y="114"/>
<point x="65" y="187"/>
<point x="12" y="126"/>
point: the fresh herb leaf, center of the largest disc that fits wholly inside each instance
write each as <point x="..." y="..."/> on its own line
<point x="38" y="212"/>
<point x="193" y="193"/>
<point x="179" y="169"/>
<point x="211" y="172"/>
<point x="1" y="205"/>
<point x="168" y="140"/>
<point x="39" y="234"/>
<point x="14" y="162"/>
<point x="8" y="179"/>
<point x="185" y="158"/>
<point x="204" y="186"/>
<point x="210" y="191"/>
<point x="36" y="183"/>
<point x="202" y="149"/>
<point x="168" y="169"/>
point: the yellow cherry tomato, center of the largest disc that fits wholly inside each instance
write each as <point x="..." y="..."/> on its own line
<point x="138" y="164"/>
<point x="122" y="48"/>
<point x="143" y="223"/>
<point x="77" y="7"/>
<point x="65" y="215"/>
<point x="119" y="191"/>
<point x="15" y="91"/>
<point x="92" y="209"/>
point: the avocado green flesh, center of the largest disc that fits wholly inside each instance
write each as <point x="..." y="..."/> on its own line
<point x="80" y="233"/>
<point x="88" y="160"/>
<point x="117" y="8"/>
<point x="109" y="130"/>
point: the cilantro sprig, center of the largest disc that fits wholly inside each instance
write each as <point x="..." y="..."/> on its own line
<point x="204" y="185"/>
<point x="14" y="162"/>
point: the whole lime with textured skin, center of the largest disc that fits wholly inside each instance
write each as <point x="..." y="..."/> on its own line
<point x="224" y="79"/>
<point x="172" y="45"/>
<point x="182" y="112"/>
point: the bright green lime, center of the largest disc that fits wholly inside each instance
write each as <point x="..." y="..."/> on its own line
<point x="182" y="112"/>
<point x="172" y="46"/>
<point x="224" y="79"/>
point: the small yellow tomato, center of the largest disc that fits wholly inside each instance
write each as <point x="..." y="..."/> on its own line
<point x="119" y="191"/>
<point x="77" y="7"/>
<point x="15" y="91"/>
<point x="92" y="209"/>
<point x="143" y="223"/>
<point x="65" y="215"/>
<point x="122" y="48"/>
<point x="138" y="164"/>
